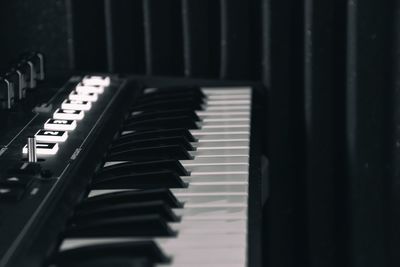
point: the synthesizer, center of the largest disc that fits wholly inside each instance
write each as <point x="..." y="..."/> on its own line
<point x="122" y="171"/>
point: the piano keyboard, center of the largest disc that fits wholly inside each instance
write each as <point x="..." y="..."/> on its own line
<point x="173" y="190"/>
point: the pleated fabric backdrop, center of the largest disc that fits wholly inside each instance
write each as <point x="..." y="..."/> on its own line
<point x="332" y="75"/>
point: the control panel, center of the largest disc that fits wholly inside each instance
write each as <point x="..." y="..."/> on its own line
<point x="44" y="150"/>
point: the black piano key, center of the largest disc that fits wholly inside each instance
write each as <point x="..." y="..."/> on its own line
<point x="147" y="225"/>
<point x="143" y="180"/>
<point x="183" y="103"/>
<point x="169" y="96"/>
<point x="130" y="252"/>
<point x="140" y="116"/>
<point x="172" y="89"/>
<point x="126" y="210"/>
<point x="175" y="140"/>
<point x="147" y="134"/>
<point x="163" y="123"/>
<point x="145" y="166"/>
<point x="150" y="153"/>
<point x="115" y="198"/>
<point x="107" y="261"/>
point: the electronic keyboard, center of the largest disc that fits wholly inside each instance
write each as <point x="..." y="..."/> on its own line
<point x="120" y="171"/>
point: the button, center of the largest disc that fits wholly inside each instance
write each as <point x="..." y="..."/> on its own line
<point x="10" y="193"/>
<point x="51" y="136"/>
<point x="68" y="114"/>
<point x="96" y="80"/>
<point x="92" y="97"/>
<point x="60" y="125"/>
<point x="43" y="148"/>
<point x="76" y="105"/>
<point x="87" y="89"/>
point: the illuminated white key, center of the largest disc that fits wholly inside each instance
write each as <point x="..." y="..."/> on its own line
<point x="96" y="80"/>
<point x="51" y="136"/>
<point x="87" y="89"/>
<point x="76" y="104"/>
<point x="68" y="114"/>
<point x="92" y="97"/>
<point x="60" y="125"/>
<point x="43" y="148"/>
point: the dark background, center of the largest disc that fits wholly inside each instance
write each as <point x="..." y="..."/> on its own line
<point x="330" y="70"/>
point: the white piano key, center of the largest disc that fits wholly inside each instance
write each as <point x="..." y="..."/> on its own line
<point x="203" y="190"/>
<point x="242" y="169"/>
<point x="210" y="255"/>
<point x="215" y="161"/>
<point x="215" y="180"/>
<point x="218" y="137"/>
<point x="226" y="91"/>
<point x="220" y="152"/>
<point x="228" y="108"/>
<point x="215" y="120"/>
<point x="206" y="126"/>
<point x="96" y="80"/>
<point x="214" y="201"/>
<point x="224" y="131"/>
<point x="229" y="139"/>
<point x="68" y="114"/>
<point x="219" y="144"/>
<point x="76" y="104"/>
<point x="43" y="148"/>
<point x="200" y="148"/>
<point x="227" y="226"/>
<point x="211" y="102"/>
<point x="60" y="125"/>
<point x="92" y="97"/>
<point x="226" y="97"/>
<point x="222" y="114"/>
<point x="51" y="136"/>
<point x="212" y="213"/>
